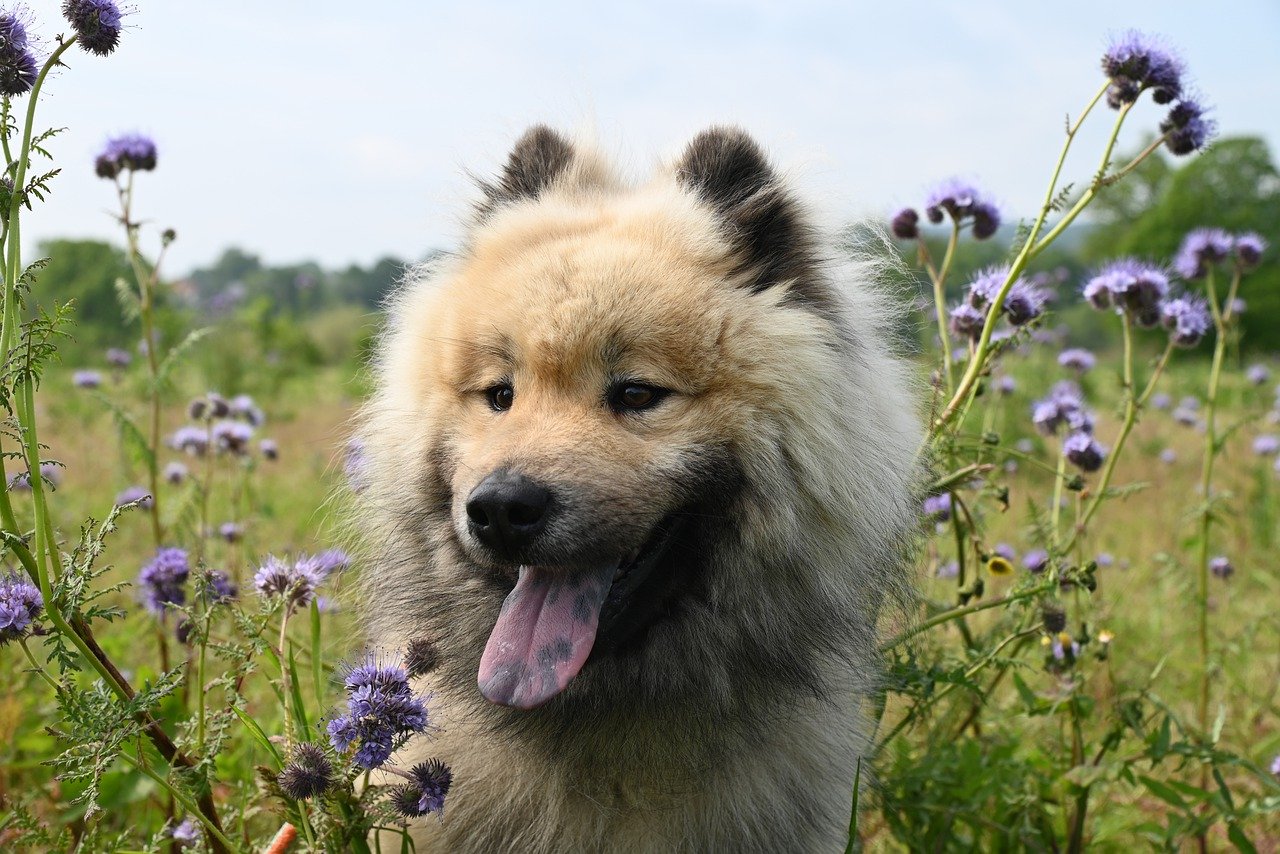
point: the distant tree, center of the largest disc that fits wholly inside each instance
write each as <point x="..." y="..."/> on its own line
<point x="86" y="271"/>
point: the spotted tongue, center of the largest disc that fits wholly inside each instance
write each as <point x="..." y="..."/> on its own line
<point x="543" y="635"/>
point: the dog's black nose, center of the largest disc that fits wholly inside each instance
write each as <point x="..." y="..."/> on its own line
<point x="507" y="511"/>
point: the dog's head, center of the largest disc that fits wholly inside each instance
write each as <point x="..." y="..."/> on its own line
<point x="619" y="425"/>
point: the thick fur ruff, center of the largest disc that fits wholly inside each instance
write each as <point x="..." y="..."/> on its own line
<point x="733" y="721"/>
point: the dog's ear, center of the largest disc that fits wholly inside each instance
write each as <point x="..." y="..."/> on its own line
<point x="729" y="171"/>
<point x="539" y="157"/>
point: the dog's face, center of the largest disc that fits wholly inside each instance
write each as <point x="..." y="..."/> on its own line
<point x="595" y="399"/>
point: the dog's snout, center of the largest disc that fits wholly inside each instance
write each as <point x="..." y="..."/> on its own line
<point x="507" y="511"/>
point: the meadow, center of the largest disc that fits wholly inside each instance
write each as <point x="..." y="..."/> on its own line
<point x="1089" y="656"/>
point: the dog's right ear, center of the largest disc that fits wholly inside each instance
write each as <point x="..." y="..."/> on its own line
<point x="539" y="158"/>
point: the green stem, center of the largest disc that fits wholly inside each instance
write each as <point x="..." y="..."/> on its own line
<point x="183" y="798"/>
<point x="939" y="278"/>
<point x="35" y="665"/>
<point x="1059" y="476"/>
<point x="957" y="613"/>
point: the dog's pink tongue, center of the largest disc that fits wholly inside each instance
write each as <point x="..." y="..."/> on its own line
<point x="543" y="635"/>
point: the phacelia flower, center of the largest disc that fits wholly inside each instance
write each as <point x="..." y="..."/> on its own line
<point x="1104" y="560"/>
<point x="906" y="224"/>
<point x="163" y="579"/>
<point x="1005" y="385"/>
<point x="133" y="152"/>
<point x="382" y="712"/>
<point x="96" y="22"/>
<point x="269" y="449"/>
<point x="219" y="587"/>
<point x="137" y="494"/>
<point x="294" y="582"/>
<point x="1168" y="456"/>
<point x="948" y="569"/>
<point x="86" y="379"/>
<point x="175" y="472"/>
<point x="243" y="407"/>
<point x="1188" y="321"/>
<point x="1257" y="374"/>
<point x="426" y="792"/>
<point x="185" y="833"/>
<point x="1275" y="766"/>
<point x="1036" y="561"/>
<point x="232" y="437"/>
<point x="1161" y="400"/>
<point x="1267" y="445"/>
<point x="937" y="508"/>
<point x="1221" y="567"/>
<point x="1023" y="303"/>
<point x="1186" y="417"/>
<point x="1131" y="286"/>
<point x="1084" y="452"/>
<point x="962" y="202"/>
<point x="966" y="321"/>
<point x="118" y="358"/>
<point x="330" y="561"/>
<point x="231" y="531"/>
<point x="20" y="604"/>
<point x="1200" y="250"/>
<point x="51" y="473"/>
<point x="1063" y="406"/>
<point x="421" y="656"/>
<point x="1064" y="648"/>
<point x="307" y="774"/>
<point x="1077" y="359"/>
<point x="1187" y="128"/>
<point x="190" y="439"/>
<point x="18" y="65"/>
<point x="1249" y="248"/>
<point x="1236" y="306"/>
<point x="1135" y="61"/>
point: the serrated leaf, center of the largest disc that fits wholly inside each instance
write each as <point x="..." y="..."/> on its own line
<point x="172" y="358"/>
<point x="130" y="433"/>
<point x="130" y="305"/>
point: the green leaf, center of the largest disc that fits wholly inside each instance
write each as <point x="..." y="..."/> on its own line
<point x="1239" y="840"/>
<point x="259" y="736"/>
<point x="130" y="433"/>
<point x="317" y="662"/>
<point x="1164" y="792"/>
<point x="299" y="708"/>
<point x="172" y="358"/>
<point x="130" y="305"/>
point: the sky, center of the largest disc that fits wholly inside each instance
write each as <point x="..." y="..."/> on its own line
<point x="344" y="132"/>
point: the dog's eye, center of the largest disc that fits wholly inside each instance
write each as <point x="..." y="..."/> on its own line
<point x="634" y="397"/>
<point x="500" y="397"/>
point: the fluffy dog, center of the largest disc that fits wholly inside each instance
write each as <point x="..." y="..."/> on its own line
<point x="642" y="464"/>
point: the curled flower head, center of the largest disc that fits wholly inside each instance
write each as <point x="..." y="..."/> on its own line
<point x="1006" y="385"/>
<point x="1084" y="452"/>
<point x="307" y="774"/>
<point x="232" y="437"/>
<point x="967" y="321"/>
<point x="963" y="202"/>
<point x="1249" y="248"/>
<point x="1200" y="250"/>
<point x="1135" y="62"/>
<point x="269" y="449"/>
<point x="138" y="495"/>
<point x="421" y="656"/>
<point x="243" y="407"/>
<point x="118" y="358"/>
<point x="425" y="794"/>
<point x="382" y="712"/>
<point x="1077" y="359"/>
<point x="133" y="152"/>
<point x="294" y="582"/>
<point x="20" y="604"/>
<point x="86" y="379"/>
<point x="1054" y="617"/>
<point x="190" y="439"/>
<point x="96" y="22"/>
<point x="905" y="224"/>
<point x="937" y="508"/>
<point x="219" y="587"/>
<point x="1187" y="127"/>
<point x="1023" y="303"/>
<point x="1188" y="321"/>
<point x="1221" y="567"/>
<point x="18" y="65"/>
<point x="1130" y="286"/>
<point x="1036" y="561"/>
<point x="163" y="579"/>
<point x="1063" y="406"/>
<point x="231" y="532"/>
<point x="175" y="473"/>
<point x="330" y="561"/>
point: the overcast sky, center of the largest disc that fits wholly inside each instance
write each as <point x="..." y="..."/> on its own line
<point x="340" y="131"/>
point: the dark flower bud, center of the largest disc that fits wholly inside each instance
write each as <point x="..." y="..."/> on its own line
<point x="96" y="22"/>
<point x="426" y="794"/>
<point x="307" y="774"/>
<point x="905" y="224"/>
<point x="197" y="409"/>
<point x="218" y="406"/>
<point x="168" y="236"/>
<point x="1055" y="619"/>
<point x="421" y="657"/>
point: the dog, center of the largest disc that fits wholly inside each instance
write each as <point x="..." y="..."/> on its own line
<point x="642" y="463"/>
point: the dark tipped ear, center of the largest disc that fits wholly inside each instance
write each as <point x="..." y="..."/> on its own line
<point x="539" y="157"/>
<point x="729" y="171"/>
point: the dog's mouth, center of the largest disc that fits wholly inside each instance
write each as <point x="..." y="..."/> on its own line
<point x="553" y="618"/>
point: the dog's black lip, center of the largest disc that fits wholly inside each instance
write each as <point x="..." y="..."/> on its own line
<point x="632" y="600"/>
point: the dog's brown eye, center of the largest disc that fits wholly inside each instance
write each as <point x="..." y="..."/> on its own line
<point x="500" y="397"/>
<point x="633" y="397"/>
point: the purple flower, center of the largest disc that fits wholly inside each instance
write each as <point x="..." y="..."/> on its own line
<point x="1131" y="286"/>
<point x="243" y="407"/>
<point x="185" y="833"/>
<point x="50" y="472"/>
<point x="295" y="582"/>
<point x="118" y="358"/>
<point x="163" y="578"/>
<point x="1136" y="61"/>
<point x="86" y="379"/>
<point x="307" y="774"/>
<point x="269" y="449"/>
<point x="134" y="152"/>
<point x="382" y="712"/>
<point x="1186" y="417"/>
<point x="1249" y="248"/>
<point x="1005" y="385"/>
<point x="1266" y="445"/>
<point x="962" y="201"/>
<point x="1161" y="401"/>
<point x="1005" y="551"/>
<point x="1257" y="374"/>
<point x="1236" y="306"/>
<point x="1104" y="559"/>
<point x="330" y="561"/>
<point x="1084" y="452"/>
<point x="20" y="604"/>
<point x="1187" y="319"/>
<point x="96" y="22"/>
<point x="1036" y="561"/>
<point x="1063" y="646"/>
<point x="137" y="494"/>
<point x="426" y="793"/>
<point x="905" y="224"/>
<point x="220" y="587"/>
<point x="18" y="65"/>
<point x="1077" y="359"/>
<point x="1200" y="250"/>
<point x="175" y="472"/>
<point x="1064" y="405"/>
<point x="1169" y="456"/>
<point x="937" y="508"/>
<point x="1187" y="128"/>
<point x="190" y="439"/>
<point x="950" y="569"/>
<point x="1275" y="765"/>
<point x="967" y="321"/>
<point x="231" y="531"/>
<point x="1221" y="567"/>
<point x="232" y="437"/>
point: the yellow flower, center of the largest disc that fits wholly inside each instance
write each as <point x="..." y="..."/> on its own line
<point x="1105" y="636"/>
<point x="997" y="565"/>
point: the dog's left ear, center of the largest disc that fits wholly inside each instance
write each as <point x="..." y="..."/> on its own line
<point x="729" y="171"/>
<point x="539" y="157"/>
